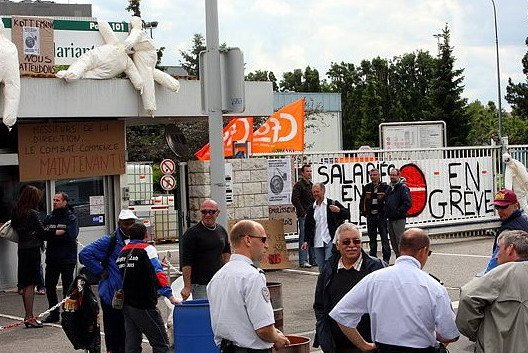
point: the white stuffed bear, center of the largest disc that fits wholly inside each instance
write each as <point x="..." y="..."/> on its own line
<point x="105" y="61"/>
<point x="516" y="179"/>
<point x="10" y="76"/>
<point x="145" y="58"/>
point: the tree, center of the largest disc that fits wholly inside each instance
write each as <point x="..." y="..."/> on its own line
<point x="446" y="93"/>
<point x="297" y="81"/>
<point x="517" y="93"/>
<point x="191" y="58"/>
<point x="260" y="75"/>
<point x="483" y="123"/>
<point x="133" y="6"/>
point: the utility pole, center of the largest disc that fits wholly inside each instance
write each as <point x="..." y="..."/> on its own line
<point x="214" y="110"/>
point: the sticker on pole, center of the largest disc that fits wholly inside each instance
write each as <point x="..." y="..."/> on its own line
<point x="168" y="166"/>
<point x="167" y="182"/>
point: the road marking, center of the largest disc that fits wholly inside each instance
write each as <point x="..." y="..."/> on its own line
<point x="461" y="255"/>
<point x="303" y="272"/>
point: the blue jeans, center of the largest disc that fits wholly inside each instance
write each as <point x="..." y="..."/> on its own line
<point x="304" y="255"/>
<point x="322" y="254"/>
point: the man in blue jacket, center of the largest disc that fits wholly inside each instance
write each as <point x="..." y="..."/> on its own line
<point x="396" y="207"/>
<point x="61" y="251"/>
<point x="100" y="258"/>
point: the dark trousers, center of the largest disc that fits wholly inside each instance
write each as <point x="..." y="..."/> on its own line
<point x="114" y="328"/>
<point x="378" y="224"/>
<point x="53" y="271"/>
<point x="148" y="322"/>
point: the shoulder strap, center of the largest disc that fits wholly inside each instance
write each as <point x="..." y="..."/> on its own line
<point x="109" y="250"/>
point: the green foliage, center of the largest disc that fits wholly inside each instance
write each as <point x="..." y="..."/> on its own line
<point x="297" y="81"/>
<point x="191" y="58"/>
<point x="517" y="93"/>
<point x="133" y="6"/>
<point x="147" y="143"/>
<point x="446" y="93"/>
<point x="159" y="54"/>
<point x="484" y="123"/>
<point x="265" y="75"/>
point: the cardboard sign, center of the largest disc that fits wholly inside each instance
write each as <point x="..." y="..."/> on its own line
<point x="276" y="257"/>
<point x="71" y="150"/>
<point x="33" y="37"/>
<point x="288" y="216"/>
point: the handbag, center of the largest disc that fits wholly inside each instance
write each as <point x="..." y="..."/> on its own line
<point x="8" y="232"/>
<point x="118" y="300"/>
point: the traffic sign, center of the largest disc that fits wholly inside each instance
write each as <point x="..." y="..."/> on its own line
<point x="167" y="182"/>
<point x="168" y="166"/>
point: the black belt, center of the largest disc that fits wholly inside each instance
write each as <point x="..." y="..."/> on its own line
<point x="389" y="348"/>
<point x="251" y="350"/>
<point x="228" y="347"/>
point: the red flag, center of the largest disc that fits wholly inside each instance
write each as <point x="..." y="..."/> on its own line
<point x="237" y="130"/>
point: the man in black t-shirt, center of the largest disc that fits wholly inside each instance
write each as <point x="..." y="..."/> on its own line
<point x="204" y="250"/>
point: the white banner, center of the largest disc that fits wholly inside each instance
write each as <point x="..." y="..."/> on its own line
<point x="441" y="189"/>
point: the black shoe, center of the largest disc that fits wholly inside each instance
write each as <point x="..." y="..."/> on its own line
<point x="33" y="323"/>
<point x="51" y="319"/>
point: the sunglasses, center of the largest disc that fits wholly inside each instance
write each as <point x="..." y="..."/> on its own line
<point x="209" y="212"/>
<point x="262" y="239"/>
<point x="348" y="241"/>
<point x="497" y="207"/>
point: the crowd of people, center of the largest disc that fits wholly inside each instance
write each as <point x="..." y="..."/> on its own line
<point x="361" y="303"/>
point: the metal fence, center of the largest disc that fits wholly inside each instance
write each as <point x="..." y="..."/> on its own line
<point x="452" y="188"/>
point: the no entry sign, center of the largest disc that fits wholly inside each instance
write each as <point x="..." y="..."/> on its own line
<point x="167" y="182"/>
<point x="168" y="166"/>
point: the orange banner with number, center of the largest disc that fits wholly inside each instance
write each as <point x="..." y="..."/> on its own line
<point x="237" y="130"/>
<point x="283" y="131"/>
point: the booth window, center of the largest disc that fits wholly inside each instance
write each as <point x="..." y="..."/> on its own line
<point x="86" y="198"/>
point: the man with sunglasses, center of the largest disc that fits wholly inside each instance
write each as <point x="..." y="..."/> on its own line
<point x="241" y="313"/>
<point x="491" y="310"/>
<point x="409" y="310"/>
<point x="340" y="274"/>
<point x="204" y="250"/>
<point x="512" y="217"/>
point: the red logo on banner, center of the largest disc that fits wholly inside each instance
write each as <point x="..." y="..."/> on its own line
<point x="417" y="185"/>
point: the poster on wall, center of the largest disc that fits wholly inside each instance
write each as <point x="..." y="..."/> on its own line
<point x="442" y="190"/>
<point x="279" y="181"/>
<point x="33" y="37"/>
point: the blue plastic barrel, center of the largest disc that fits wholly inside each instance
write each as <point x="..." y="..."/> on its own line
<point x="192" y="328"/>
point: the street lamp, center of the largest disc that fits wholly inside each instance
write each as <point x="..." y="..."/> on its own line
<point x="150" y="25"/>
<point x="498" y="70"/>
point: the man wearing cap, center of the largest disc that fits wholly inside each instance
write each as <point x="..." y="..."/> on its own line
<point x="100" y="258"/>
<point x="512" y="218"/>
<point x="204" y="250"/>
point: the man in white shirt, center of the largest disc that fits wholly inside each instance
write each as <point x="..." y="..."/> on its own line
<point x="241" y="312"/>
<point x="322" y="220"/>
<point x="409" y="310"/>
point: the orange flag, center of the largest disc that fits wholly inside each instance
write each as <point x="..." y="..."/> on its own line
<point x="237" y="130"/>
<point x="284" y="130"/>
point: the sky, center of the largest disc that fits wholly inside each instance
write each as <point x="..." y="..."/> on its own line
<point x="283" y="35"/>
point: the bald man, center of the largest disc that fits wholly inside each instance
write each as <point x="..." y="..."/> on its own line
<point x="204" y="250"/>
<point x="400" y="299"/>
<point x="241" y="313"/>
